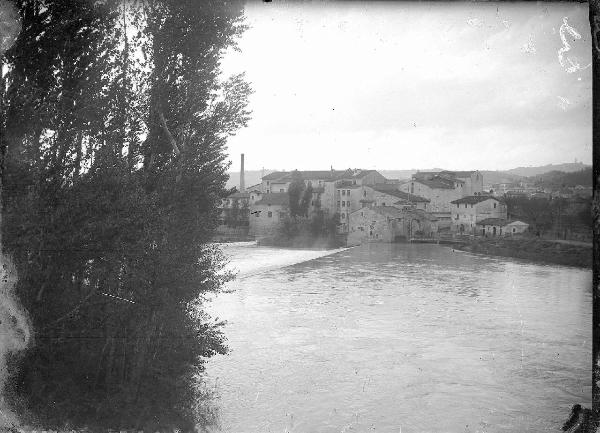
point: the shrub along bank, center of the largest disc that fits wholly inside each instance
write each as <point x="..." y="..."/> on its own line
<point x="534" y="249"/>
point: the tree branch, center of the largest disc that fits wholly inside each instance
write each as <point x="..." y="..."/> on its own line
<point x="163" y="123"/>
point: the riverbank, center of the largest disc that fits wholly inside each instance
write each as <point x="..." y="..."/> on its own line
<point x="536" y="250"/>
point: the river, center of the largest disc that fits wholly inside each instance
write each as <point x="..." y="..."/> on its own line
<point x="400" y="338"/>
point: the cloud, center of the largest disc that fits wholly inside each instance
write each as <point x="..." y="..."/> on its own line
<point x="334" y="78"/>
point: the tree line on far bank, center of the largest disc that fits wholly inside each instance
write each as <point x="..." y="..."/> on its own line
<point x="113" y="125"/>
<point x="558" y="216"/>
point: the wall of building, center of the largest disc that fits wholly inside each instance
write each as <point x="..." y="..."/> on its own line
<point x="440" y="198"/>
<point x="468" y="215"/>
<point x="366" y="225"/>
<point x="261" y="224"/>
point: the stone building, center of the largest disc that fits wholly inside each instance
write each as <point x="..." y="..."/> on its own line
<point x="389" y="224"/>
<point x="491" y="227"/>
<point x="268" y="212"/>
<point x="443" y="187"/>
<point x="466" y="212"/>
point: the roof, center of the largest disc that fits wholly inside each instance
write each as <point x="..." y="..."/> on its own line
<point x="436" y="183"/>
<point x="253" y="187"/>
<point x="459" y="174"/>
<point x="388" y="211"/>
<point x="493" y="222"/>
<point x="288" y="176"/>
<point x="384" y="188"/>
<point x="274" y="175"/>
<point x="517" y="223"/>
<point x="474" y="199"/>
<point x="362" y="173"/>
<point x="275" y="198"/>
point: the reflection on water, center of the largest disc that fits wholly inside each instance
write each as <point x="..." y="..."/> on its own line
<point x="398" y="337"/>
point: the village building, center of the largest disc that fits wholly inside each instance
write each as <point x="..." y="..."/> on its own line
<point x="279" y="181"/>
<point x="388" y="224"/>
<point x="267" y="213"/>
<point x="390" y="195"/>
<point x="491" y="227"/>
<point x="443" y="187"/>
<point x="466" y="212"/>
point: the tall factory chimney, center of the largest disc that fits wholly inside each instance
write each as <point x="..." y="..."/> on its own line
<point x="242" y="180"/>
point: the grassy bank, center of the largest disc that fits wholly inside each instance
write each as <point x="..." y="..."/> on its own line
<point x="534" y="249"/>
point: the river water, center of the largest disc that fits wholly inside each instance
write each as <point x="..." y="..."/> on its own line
<point x="400" y="338"/>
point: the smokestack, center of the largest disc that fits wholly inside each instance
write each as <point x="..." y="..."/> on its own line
<point x="242" y="180"/>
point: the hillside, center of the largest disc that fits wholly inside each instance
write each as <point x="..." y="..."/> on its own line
<point x="559" y="179"/>
<point x="534" y="171"/>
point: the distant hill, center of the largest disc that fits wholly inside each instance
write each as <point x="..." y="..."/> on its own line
<point x="490" y="177"/>
<point x="534" y="171"/>
<point x="559" y="179"/>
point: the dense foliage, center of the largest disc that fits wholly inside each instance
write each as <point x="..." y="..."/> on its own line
<point x="114" y="123"/>
<point x="555" y="180"/>
<point x="557" y="215"/>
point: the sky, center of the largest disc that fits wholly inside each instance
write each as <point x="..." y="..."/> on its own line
<point x="401" y="85"/>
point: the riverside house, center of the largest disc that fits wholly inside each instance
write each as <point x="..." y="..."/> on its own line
<point x="443" y="187"/>
<point x="500" y="227"/>
<point x="268" y="212"/>
<point x="389" y="224"/>
<point x="466" y="212"/>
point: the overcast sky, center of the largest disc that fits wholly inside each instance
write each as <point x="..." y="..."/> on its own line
<point x="399" y="85"/>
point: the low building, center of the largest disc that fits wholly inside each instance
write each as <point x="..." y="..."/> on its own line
<point x="491" y="227"/>
<point x="389" y="224"/>
<point x="466" y="212"/>
<point x="268" y="212"/>
<point x="515" y="228"/>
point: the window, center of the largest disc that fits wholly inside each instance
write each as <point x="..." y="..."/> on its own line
<point x="268" y="183"/>
<point x="457" y="205"/>
<point x="270" y="214"/>
<point x="343" y="192"/>
<point x="348" y="192"/>
<point x="383" y="204"/>
<point x="257" y="214"/>
<point x="343" y="204"/>
<point x="343" y="216"/>
<point x="514" y="229"/>
<point x="494" y="205"/>
<point x="281" y="190"/>
<point x="364" y="193"/>
<point x="471" y="206"/>
<point x="465" y="205"/>
<point x="412" y="188"/>
<point x="362" y="214"/>
<point x="312" y="202"/>
<point x="339" y="203"/>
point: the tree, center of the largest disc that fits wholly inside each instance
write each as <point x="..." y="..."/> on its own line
<point x="235" y="213"/>
<point x="295" y="191"/>
<point x="305" y="202"/>
<point x="115" y="165"/>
